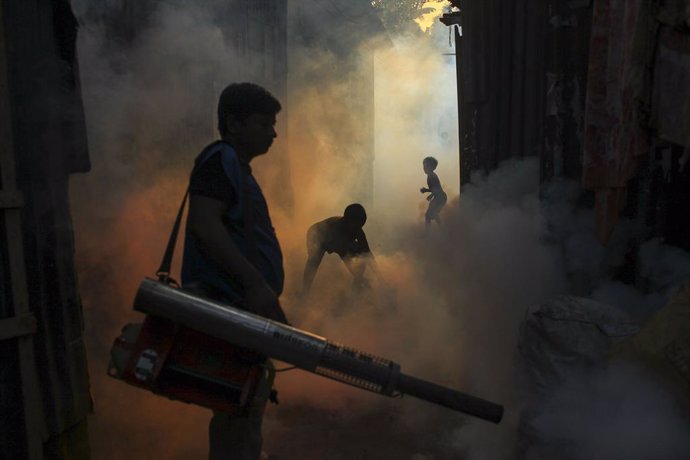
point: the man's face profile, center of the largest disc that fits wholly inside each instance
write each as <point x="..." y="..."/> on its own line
<point x="256" y="133"/>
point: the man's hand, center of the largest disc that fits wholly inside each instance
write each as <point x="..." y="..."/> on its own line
<point x="261" y="299"/>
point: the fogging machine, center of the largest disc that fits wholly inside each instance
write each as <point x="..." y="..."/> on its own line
<point x="205" y="352"/>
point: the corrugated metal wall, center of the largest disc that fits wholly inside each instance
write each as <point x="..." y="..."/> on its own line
<point x="49" y="143"/>
<point x="527" y="86"/>
<point x="504" y="59"/>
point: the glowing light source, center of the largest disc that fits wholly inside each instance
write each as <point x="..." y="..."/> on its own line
<point x="432" y="10"/>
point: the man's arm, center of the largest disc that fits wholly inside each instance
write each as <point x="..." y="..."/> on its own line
<point x="310" y="268"/>
<point x="315" y="254"/>
<point x="205" y="221"/>
<point x="362" y="243"/>
<point x="360" y="259"/>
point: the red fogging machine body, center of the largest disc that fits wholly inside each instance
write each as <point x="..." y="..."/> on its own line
<point x="186" y="365"/>
<point x="215" y="359"/>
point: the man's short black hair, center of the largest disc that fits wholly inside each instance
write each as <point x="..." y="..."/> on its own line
<point x="355" y="213"/>
<point x="241" y="100"/>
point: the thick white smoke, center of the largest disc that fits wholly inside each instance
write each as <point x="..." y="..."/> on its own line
<point x="448" y="304"/>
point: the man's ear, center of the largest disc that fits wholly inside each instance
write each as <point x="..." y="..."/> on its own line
<point x="233" y="125"/>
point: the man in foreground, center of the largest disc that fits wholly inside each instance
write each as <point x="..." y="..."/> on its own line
<point x="231" y="251"/>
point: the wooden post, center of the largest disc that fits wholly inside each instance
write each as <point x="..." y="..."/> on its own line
<point x="22" y="325"/>
<point x="465" y="161"/>
<point x="467" y="158"/>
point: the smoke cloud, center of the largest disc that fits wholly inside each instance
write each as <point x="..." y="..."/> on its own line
<point x="615" y="413"/>
<point x="448" y="303"/>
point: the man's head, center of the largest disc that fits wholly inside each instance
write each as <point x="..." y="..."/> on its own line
<point x="246" y="118"/>
<point x="354" y="216"/>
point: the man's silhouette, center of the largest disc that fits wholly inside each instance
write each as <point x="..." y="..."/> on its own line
<point x="344" y="236"/>
<point x="231" y="250"/>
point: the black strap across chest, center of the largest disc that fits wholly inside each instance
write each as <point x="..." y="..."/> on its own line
<point x="248" y="218"/>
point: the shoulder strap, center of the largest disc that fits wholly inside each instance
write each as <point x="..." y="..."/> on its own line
<point x="248" y="219"/>
<point x="163" y="272"/>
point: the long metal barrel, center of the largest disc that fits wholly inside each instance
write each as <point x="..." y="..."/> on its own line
<point x="300" y="348"/>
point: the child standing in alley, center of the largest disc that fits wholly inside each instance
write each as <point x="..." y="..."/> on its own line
<point x="437" y="197"/>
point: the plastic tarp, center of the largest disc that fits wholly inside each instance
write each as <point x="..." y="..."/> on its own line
<point x="560" y="340"/>
<point x="663" y="344"/>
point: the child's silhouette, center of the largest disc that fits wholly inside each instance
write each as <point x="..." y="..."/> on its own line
<point x="437" y="197"/>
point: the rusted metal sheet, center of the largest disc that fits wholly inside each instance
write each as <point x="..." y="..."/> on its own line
<point x="618" y="100"/>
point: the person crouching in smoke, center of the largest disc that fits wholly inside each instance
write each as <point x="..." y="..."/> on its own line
<point x="345" y="236"/>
